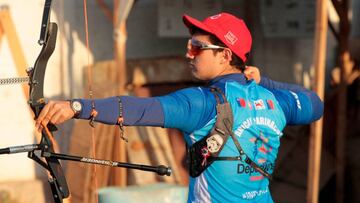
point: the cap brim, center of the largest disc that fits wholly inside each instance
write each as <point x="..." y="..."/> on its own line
<point x="192" y="22"/>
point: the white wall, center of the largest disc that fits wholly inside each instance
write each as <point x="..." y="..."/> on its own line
<point x="16" y="124"/>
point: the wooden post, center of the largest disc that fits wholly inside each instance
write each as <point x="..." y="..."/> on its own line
<point x="316" y="128"/>
<point x="120" y="174"/>
<point x="2" y="32"/>
<point x="7" y="29"/>
<point x="345" y="65"/>
<point x="121" y="10"/>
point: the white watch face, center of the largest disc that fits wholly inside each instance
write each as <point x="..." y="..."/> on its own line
<point x="76" y="105"/>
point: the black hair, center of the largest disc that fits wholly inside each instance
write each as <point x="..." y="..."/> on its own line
<point x="236" y="61"/>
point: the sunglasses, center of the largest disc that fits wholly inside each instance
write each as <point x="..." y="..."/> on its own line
<point x="194" y="47"/>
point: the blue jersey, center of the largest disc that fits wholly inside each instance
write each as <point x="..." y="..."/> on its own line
<point x="259" y="117"/>
<point x="258" y="124"/>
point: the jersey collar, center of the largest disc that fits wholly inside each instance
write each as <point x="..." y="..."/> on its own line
<point x="237" y="77"/>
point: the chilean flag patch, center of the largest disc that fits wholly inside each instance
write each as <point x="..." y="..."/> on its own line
<point x="241" y="102"/>
<point x="270" y="104"/>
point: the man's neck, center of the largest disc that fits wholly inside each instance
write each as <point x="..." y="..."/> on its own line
<point x="230" y="70"/>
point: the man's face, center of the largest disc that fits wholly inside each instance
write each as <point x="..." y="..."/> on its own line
<point x="204" y="64"/>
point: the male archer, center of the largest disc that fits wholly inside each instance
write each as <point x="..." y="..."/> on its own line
<point x="232" y="126"/>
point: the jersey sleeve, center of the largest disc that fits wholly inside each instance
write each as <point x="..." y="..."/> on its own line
<point x="300" y="107"/>
<point x="271" y="84"/>
<point x="136" y="111"/>
<point x="187" y="109"/>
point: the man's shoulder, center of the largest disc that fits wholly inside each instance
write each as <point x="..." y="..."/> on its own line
<point x="199" y="91"/>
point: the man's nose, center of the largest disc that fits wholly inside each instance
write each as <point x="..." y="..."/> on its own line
<point x="189" y="56"/>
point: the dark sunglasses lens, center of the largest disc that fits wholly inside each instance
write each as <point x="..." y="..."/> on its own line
<point x="195" y="47"/>
<point x="194" y="50"/>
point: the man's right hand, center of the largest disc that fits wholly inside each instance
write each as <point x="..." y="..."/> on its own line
<point x="252" y="73"/>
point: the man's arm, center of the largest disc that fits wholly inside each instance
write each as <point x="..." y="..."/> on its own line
<point x="173" y="110"/>
<point x="299" y="106"/>
<point x="271" y="84"/>
<point x="136" y="111"/>
<point x="253" y="73"/>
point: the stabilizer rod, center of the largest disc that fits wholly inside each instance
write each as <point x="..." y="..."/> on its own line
<point x="160" y="170"/>
<point x="19" y="149"/>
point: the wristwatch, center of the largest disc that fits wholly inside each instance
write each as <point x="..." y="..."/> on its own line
<point x="76" y="106"/>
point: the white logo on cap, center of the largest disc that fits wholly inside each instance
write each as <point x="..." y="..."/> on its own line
<point x="231" y="38"/>
<point x="215" y="16"/>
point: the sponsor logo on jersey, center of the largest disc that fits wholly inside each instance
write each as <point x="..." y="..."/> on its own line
<point x="256" y="178"/>
<point x="263" y="149"/>
<point x="259" y="104"/>
<point x="297" y="99"/>
<point x="258" y="121"/>
<point x="261" y="161"/>
<point x="253" y="139"/>
<point x="263" y="138"/>
<point x="253" y="194"/>
<point x="249" y="170"/>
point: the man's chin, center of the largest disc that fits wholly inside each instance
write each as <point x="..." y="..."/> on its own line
<point x="196" y="76"/>
<point x="194" y="73"/>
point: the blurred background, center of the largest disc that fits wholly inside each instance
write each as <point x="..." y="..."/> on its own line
<point x="137" y="47"/>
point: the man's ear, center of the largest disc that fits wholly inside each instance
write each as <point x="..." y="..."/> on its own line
<point x="227" y="55"/>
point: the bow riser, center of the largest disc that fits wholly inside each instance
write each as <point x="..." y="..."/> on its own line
<point x="37" y="74"/>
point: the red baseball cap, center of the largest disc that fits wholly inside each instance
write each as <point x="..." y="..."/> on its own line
<point x="231" y="30"/>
